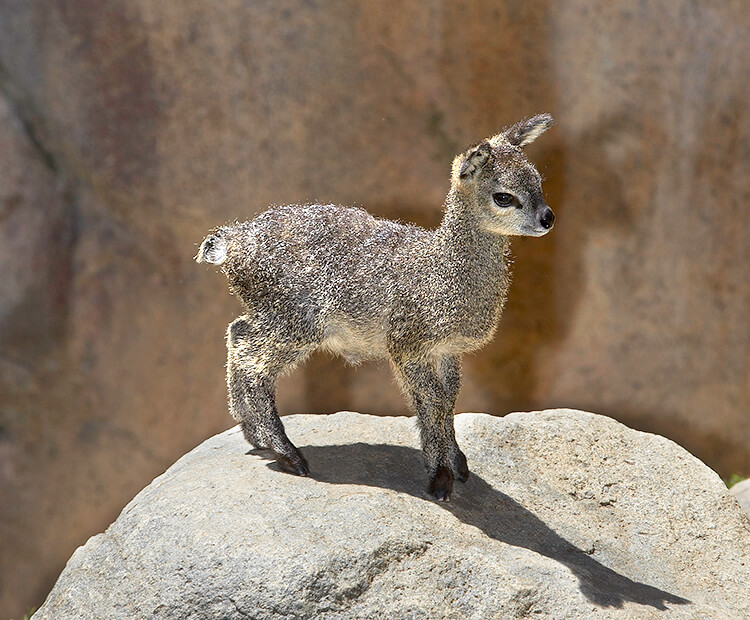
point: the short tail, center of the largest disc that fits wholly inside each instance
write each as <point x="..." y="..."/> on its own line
<point x="213" y="249"/>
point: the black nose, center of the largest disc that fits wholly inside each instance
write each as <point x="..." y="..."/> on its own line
<point x="547" y="219"/>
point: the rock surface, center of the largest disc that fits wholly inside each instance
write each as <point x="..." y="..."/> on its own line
<point x="741" y="491"/>
<point x="567" y="514"/>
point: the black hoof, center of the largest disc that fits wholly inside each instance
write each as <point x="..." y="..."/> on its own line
<point x="295" y="464"/>
<point x="441" y="484"/>
<point x="461" y="468"/>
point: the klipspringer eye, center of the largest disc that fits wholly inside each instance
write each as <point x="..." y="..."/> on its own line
<point x="502" y="199"/>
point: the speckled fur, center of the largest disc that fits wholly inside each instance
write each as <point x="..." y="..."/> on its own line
<point x="336" y="278"/>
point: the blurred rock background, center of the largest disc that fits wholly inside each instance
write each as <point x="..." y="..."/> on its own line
<point x="128" y="129"/>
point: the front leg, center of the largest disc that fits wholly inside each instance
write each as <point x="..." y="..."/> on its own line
<point x="433" y="404"/>
<point x="449" y="371"/>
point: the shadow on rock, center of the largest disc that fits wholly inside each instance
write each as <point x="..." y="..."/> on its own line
<point x="477" y="503"/>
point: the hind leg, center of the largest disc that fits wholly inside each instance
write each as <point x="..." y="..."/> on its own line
<point x="254" y="362"/>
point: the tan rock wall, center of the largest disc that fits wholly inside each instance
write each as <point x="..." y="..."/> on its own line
<point x="130" y="128"/>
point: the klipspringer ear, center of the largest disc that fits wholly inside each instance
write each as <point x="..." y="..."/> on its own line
<point x="526" y="131"/>
<point x="475" y="159"/>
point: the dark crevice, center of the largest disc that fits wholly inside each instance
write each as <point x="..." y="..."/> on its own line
<point x="31" y="133"/>
<point x="40" y="321"/>
<point x="22" y="109"/>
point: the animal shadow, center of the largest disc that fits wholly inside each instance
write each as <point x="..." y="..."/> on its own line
<point x="476" y="503"/>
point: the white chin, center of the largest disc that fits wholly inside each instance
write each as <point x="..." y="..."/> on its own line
<point x="523" y="232"/>
<point x="537" y="232"/>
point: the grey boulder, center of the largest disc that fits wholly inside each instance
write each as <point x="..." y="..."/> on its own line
<point x="567" y="515"/>
<point x="741" y="491"/>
